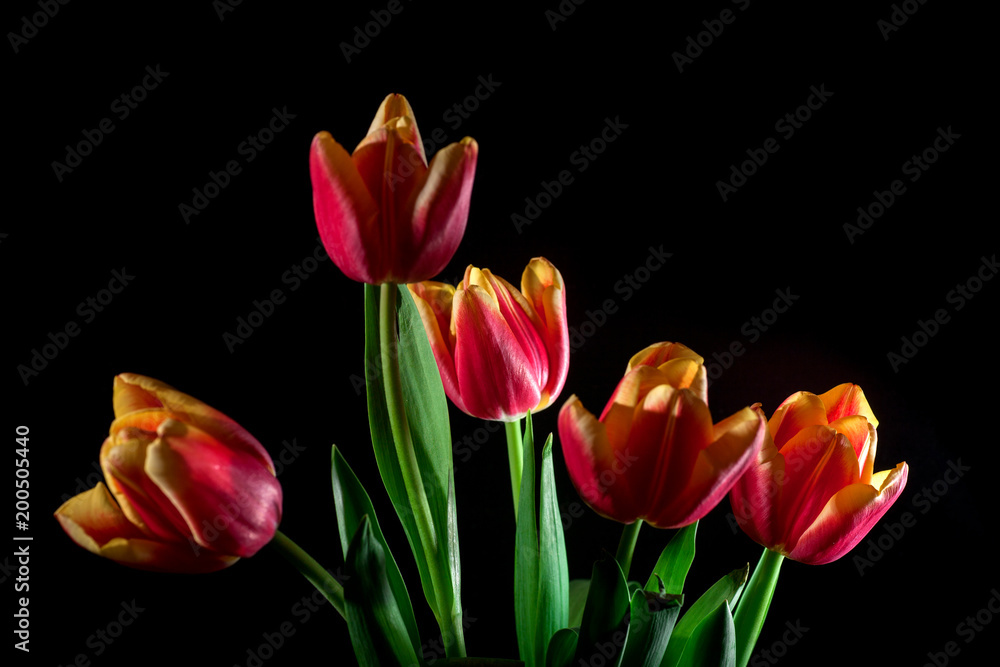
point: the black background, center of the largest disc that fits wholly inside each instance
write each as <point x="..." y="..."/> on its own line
<point x="293" y="380"/>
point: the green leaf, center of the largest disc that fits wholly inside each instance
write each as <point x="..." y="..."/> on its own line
<point x="727" y="589"/>
<point x="713" y="643"/>
<point x="378" y="632"/>
<point x="382" y="442"/>
<point x="674" y="562"/>
<point x="427" y="413"/>
<point x="353" y="506"/>
<point x="578" y="589"/>
<point x="604" y="626"/>
<point x="553" y="570"/>
<point x="526" y="555"/>
<point x="652" y="620"/>
<point x="561" y="648"/>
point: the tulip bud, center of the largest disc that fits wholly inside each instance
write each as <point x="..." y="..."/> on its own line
<point x="384" y="214"/>
<point x="188" y="489"/>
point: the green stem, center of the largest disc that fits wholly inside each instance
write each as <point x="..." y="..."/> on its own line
<point x="515" y="452"/>
<point x="630" y="534"/>
<point x="450" y="620"/>
<point x="752" y="608"/>
<point x="311" y="570"/>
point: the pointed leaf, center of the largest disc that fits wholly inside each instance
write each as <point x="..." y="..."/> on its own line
<point x="427" y="414"/>
<point x="674" y="562"/>
<point x="652" y="620"/>
<point x="526" y="555"/>
<point x="553" y="571"/>
<point x="353" y="506"/>
<point x="376" y="627"/>
<point x="726" y="589"/>
<point x="604" y="627"/>
<point x="561" y="648"/>
<point x="383" y="444"/>
<point x="713" y="643"/>
<point x="578" y="589"/>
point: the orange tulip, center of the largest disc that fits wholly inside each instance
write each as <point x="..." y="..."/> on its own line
<point x="383" y="213"/>
<point x="654" y="454"/>
<point x="813" y="494"/>
<point x="188" y="489"/>
<point x="500" y="352"/>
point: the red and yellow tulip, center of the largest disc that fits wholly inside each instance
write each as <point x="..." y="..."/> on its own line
<point x="654" y="454"/>
<point x="384" y="214"/>
<point x="813" y="493"/>
<point x="501" y="352"/>
<point x="188" y="489"/>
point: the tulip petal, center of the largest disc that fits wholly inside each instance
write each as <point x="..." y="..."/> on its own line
<point x="123" y="459"/>
<point x="845" y="400"/>
<point x="188" y="409"/>
<point x="543" y="287"/>
<point x="754" y="496"/>
<point x="848" y="516"/>
<point x="96" y="523"/>
<point x="93" y="519"/>
<point x="737" y="444"/>
<point x="819" y="462"/>
<point x="497" y="379"/>
<point x="345" y="210"/>
<point x="230" y="502"/>
<point x="434" y="301"/>
<point x="855" y="428"/>
<point x="588" y="453"/>
<point x="440" y="210"/>
<point x="800" y="410"/>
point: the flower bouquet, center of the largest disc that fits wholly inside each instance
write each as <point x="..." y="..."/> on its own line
<point x="187" y="489"/>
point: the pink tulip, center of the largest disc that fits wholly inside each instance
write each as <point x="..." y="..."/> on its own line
<point x="654" y="453"/>
<point x="383" y="213"/>
<point x="188" y="489"/>
<point x="500" y="352"/>
<point x="813" y="494"/>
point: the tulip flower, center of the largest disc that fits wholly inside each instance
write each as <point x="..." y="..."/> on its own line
<point x="500" y="352"/>
<point x="813" y="494"/>
<point x="188" y="489"/>
<point x="384" y="214"/>
<point x="654" y="454"/>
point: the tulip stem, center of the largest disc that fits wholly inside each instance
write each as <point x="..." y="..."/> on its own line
<point x="752" y="608"/>
<point x="626" y="545"/>
<point x="515" y="453"/>
<point x="450" y="620"/>
<point x="311" y="570"/>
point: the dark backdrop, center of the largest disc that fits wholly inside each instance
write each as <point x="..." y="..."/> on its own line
<point x="688" y="96"/>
